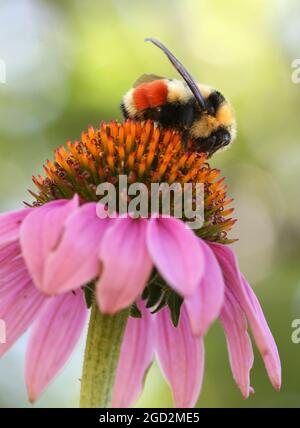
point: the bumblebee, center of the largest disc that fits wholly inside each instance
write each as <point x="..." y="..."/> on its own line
<point x="199" y="112"/>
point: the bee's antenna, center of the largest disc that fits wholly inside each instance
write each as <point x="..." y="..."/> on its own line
<point x="181" y="70"/>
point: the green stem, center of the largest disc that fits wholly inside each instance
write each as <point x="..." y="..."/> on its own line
<point x="101" y="357"/>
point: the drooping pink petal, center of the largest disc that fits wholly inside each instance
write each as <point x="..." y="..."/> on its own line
<point x="75" y="261"/>
<point x="238" y="342"/>
<point x="126" y="264"/>
<point x="271" y="357"/>
<point x="176" y="253"/>
<point x="10" y="225"/>
<point x="262" y="335"/>
<point x="181" y="356"/>
<point x="135" y="359"/>
<point x="18" y="309"/>
<point x="53" y="338"/>
<point x="40" y="233"/>
<point x="205" y="304"/>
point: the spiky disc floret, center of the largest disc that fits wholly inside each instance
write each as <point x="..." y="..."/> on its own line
<point x="146" y="154"/>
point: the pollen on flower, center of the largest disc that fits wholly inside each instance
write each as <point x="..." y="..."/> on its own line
<point x="145" y="153"/>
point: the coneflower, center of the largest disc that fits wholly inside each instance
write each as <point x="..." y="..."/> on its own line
<point x="153" y="284"/>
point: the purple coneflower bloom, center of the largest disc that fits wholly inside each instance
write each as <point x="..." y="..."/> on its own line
<point x="177" y="282"/>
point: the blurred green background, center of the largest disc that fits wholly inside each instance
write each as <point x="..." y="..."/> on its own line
<point x="68" y="63"/>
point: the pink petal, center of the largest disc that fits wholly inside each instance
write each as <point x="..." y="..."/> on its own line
<point x="75" y="262"/>
<point x="126" y="264"/>
<point x="10" y="225"/>
<point x="40" y="234"/>
<point x="53" y="339"/>
<point x="18" y="309"/>
<point x="245" y="296"/>
<point x="176" y="253"/>
<point x="135" y="359"/>
<point x="14" y="276"/>
<point x="13" y="271"/>
<point x="8" y="253"/>
<point x="238" y="342"/>
<point x="181" y="355"/>
<point x="206" y="302"/>
<point x="271" y="357"/>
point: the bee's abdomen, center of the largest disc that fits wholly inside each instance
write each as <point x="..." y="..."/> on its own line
<point x="145" y="97"/>
<point x="151" y="94"/>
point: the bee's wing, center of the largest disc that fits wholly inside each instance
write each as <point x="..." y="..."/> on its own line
<point x="145" y="78"/>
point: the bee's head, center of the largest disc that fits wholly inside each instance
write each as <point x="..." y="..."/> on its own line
<point x="215" y="126"/>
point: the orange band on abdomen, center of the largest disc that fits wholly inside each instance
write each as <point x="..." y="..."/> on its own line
<point x="151" y="94"/>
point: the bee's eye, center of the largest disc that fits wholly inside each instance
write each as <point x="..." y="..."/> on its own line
<point x="226" y="139"/>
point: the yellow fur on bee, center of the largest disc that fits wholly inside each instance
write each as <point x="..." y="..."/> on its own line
<point x="204" y="126"/>
<point x="129" y="103"/>
<point x="205" y="90"/>
<point x="225" y="115"/>
<point x="178" y="91"/>
<point x="208" y="124"/>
